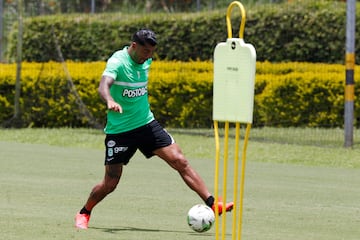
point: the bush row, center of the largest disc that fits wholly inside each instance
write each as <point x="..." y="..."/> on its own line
<point x="305" y="31"/>
<point x="180" y="93"/>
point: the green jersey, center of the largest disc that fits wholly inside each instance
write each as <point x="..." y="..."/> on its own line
<point x="130" y="91"/>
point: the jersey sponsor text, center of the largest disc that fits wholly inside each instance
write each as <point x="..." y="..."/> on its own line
<point x="132" y="93"/>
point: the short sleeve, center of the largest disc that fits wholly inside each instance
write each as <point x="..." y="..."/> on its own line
<point x="112" y="66"/>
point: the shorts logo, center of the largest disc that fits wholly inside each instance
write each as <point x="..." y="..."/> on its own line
<point x="120" y="149"/>
<point x="111" y="143"/>
<point x="110" y="152"/>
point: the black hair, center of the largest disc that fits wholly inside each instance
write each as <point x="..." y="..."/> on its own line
<point x="144" y="36"/>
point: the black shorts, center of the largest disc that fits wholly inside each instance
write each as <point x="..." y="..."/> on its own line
<point x="121" y="147"/>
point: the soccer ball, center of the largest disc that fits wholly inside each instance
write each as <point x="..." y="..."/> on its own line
<point x="200" y="218"/>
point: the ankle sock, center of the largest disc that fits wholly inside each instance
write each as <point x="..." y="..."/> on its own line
<point x="85" y="211"/>
<point x="210" y="201"/>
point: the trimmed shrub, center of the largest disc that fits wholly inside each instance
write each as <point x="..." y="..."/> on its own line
<point x="180" y="93"/>
<point x="302" y="31"/>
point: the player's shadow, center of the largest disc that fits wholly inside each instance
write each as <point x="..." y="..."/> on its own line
<point x="135" y="229"/>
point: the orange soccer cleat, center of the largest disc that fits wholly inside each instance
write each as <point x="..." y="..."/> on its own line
<point x="228" y="206"/>
<point x="82" y="220"/>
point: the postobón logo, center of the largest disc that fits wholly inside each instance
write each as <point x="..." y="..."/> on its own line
<point x="132" y="93"/>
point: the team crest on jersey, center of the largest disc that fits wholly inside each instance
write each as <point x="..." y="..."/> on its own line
<point x="111" y="143"/>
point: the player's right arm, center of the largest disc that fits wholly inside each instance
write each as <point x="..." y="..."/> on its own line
<point x="104" y="91"/>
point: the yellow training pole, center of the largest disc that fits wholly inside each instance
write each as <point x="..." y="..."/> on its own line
<point x="228" y="20"/>
<point x="216" y="184"/>
<point x="226" y="151"/>
<point x="242" y="182"/>
<point x="236" y="177"/>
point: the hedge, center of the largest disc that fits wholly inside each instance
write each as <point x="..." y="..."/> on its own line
<point x="180" y="93"/>
<point x="302" y="31"/>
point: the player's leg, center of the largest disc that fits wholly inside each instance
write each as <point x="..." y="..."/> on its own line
<point x="154" y="140"/>
<point x="173" y="156"/>
<point x="99" y="192"/>
<point x="106" y="186"/>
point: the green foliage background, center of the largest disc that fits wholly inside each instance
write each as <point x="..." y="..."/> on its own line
<point x="305" y="31"/>
<point x="287" y="94"/>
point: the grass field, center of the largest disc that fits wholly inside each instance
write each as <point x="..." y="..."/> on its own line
<point x="291" y="192"/>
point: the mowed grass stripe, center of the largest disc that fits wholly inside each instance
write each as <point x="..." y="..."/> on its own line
<point x="43" y="186"/>
<point x="301" y="202"/>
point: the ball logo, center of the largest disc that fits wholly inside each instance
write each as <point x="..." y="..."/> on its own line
<point x="111" y="143"/>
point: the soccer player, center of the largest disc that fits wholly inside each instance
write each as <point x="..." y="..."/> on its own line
<point x="131" y="125"/>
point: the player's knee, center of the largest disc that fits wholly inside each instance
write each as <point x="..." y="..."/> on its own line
<point x="110" y="186"/>
<point x="180" y="163"/>
<point x="112" y="178"/>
